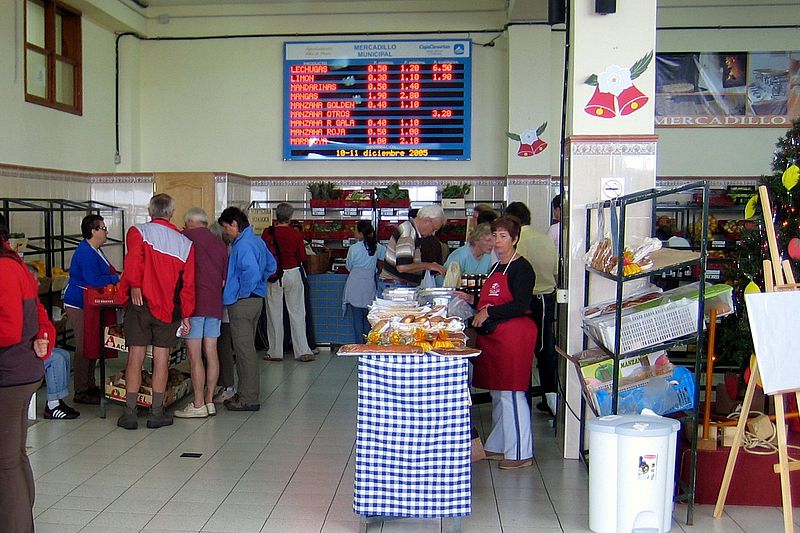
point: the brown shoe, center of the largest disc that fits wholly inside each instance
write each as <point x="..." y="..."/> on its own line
<point x="270" y="358"/>
<point x="306" y="358"/>
<point x="509" y="464"/>
<point x="494" y="456"/>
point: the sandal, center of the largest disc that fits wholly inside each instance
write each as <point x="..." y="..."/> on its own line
<point x="306" y="358"/>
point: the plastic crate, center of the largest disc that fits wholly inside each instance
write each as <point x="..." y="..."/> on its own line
<point x="649" y="327"/>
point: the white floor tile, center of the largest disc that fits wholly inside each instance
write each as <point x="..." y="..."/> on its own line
<point x="289" y="468"/>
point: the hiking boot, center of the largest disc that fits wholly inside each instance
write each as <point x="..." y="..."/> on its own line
<point x="159" y="418"/>
<point x="128" y="420"/>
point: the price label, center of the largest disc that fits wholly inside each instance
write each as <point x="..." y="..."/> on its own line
<point x="346" y="243"/>
<point x="350" y="212"/>
<point x="453" y="244"/>
<point x="387" y="211"/>
<point x="317" y="211"/>
<point x="713" y="274"/>
<point x="468" y="212"/>
<point x="718" y="244"/>
<point x="320" y="242"/>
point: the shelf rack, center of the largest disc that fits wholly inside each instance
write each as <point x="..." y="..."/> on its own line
<point x="664" y="261"/>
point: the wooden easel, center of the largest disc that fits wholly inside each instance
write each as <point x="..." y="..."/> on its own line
<point x="778" y="276"/>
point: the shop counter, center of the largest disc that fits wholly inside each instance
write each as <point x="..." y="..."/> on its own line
<point x="412" y="438"/>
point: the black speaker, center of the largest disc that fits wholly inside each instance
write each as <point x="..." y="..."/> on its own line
<point x="556" y="11"/>
<point x="605" y="7"/>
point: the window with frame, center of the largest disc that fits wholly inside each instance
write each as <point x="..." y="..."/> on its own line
<point x="53" y="55"/>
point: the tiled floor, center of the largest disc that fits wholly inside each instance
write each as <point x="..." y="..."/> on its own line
<point x="288" y="468"/>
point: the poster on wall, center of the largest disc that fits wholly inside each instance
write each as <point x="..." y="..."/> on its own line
<point x="727" y="89"/>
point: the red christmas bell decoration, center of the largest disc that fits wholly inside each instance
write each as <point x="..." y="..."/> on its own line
<point x="538" y="146"/>
<point x="601" y="105"/>
<point x="525" y="150"/>
<point x="630" y="100"/>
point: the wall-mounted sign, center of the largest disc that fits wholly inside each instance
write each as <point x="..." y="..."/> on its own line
<point x="727" y="89"/>
<point x="377" y="100"/>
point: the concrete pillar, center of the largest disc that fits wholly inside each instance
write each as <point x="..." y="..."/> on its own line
<point x="610" y="129"/>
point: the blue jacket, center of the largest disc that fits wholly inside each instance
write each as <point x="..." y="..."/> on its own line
<point x="249" y="266"/>
<point x="87" y="269"/>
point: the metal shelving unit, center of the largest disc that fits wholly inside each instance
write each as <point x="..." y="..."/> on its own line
<point x="679" y="260"/>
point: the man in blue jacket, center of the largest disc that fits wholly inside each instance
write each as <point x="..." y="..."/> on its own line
<point x="249" y="265"/>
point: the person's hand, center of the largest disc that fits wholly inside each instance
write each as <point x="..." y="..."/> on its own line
<point x="136" y="296"/>
<point x="186" y="327"/>
<point x="439" y="269"/>
<point x="40" y="346"/>
<point x="467" y="297"/>
<point x="480" y="317"/>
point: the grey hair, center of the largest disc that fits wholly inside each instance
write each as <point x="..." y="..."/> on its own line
<point x="161" y="206"/>
<point x="284" y="212"/>
<point x="479" y="232"/>
<point x="196" y="214"/>
<point x="217" y="230"/>
<point x="432" y="211"/>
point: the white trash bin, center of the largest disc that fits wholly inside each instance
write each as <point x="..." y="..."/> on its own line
<point x="631" y="473"/>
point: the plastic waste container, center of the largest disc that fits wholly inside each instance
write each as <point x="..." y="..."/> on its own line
<point x="631" y="473"/>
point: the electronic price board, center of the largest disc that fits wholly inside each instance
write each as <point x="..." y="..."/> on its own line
<point x="374" y="100"/>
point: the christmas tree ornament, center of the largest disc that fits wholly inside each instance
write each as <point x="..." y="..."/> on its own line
<point x="790" y="177"/>
<point x="794" y="248"/>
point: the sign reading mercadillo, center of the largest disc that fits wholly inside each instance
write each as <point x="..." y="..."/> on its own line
<point x="727" y="89"/>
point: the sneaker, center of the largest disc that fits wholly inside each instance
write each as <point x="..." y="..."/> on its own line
<point x="190" y="411"/>
<point x="510" y="464"/>
<point x="60" y="412"/>
<point x="223" y="395"/>
<point x="128" y="420"/>
<point x="237" y="404"/>
<point x="211" y="408"/>
<point x="158" y="419"/>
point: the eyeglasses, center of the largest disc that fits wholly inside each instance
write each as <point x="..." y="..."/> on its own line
<point x="103" y="228"/>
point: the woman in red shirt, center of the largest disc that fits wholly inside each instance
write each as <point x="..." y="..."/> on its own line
<point x="25" y="332"/>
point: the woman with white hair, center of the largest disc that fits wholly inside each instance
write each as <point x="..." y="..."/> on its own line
<point x="403" y="266"/>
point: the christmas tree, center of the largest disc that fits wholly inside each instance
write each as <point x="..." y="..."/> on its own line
<point x="734" y="342"/>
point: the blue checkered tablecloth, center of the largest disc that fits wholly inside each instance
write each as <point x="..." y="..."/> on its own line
<point x="412" y="437"/>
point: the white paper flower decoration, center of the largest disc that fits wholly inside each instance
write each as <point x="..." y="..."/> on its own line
<point x="529" y="136"/>
<point x="614" y="80"/>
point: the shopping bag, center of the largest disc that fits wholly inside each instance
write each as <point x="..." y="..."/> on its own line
<point x="427" y="281"/>
<point x="773" y="319"/>
<point x="478" y="452"/>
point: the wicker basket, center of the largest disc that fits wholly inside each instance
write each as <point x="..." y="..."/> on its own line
<point x="319" y="263"/>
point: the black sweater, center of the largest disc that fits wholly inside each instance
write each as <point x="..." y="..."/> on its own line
<point x="521" y="280"/>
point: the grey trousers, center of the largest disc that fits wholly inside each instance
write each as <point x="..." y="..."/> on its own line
<point x="225" y="351"/>
<point x="244" y="316"/>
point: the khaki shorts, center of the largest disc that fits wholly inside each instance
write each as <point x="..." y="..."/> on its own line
<point x="143" y="329"/>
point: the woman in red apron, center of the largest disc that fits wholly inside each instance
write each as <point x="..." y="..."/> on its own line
<point x="506" y="338"/>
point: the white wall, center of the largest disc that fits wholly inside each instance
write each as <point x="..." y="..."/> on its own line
<point x="35" y="135"/>
<point x="218" y="105"/>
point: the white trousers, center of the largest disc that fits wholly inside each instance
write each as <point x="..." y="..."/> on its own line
<point x="511" y="426"/>
<point x="290" y="287"/>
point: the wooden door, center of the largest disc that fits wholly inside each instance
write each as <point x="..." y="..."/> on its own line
<point x="190" y="189"/>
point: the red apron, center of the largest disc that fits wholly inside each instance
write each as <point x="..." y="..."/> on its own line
<point x="507" y="353"/>
<point x="93" y="321"/>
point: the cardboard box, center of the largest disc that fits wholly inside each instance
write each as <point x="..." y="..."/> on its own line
<point x="118" y="343"/>
<point x="600" y="366"/>
<point x="145" y="396"/>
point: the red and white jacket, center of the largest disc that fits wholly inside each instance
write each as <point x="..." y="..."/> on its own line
<point x="160" y="261"/>
<point x="22" y="320"/>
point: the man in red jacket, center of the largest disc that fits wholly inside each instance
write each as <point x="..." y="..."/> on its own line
<point x="158" y="278"/>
